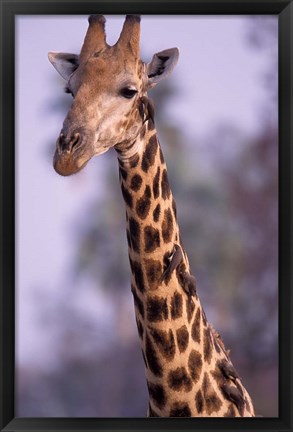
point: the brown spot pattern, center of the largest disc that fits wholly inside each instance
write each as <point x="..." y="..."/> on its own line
<point x="180" y="409"/>
<point x="156" y="184"/>
<point x="165" y="342"/>
<point x="138" y="275"/>
<point x="151" y="239"/>
<point x="199" y="402"/>
<point x="212" y="402"/>
<point x="127" y="196"/>
<point x="136" y="182"/>
<point x="161" y="156"/>
<point x="195" y="328"/>
<point x="123" y="173"/>
<point x="149" y="155"/>
<point x="144" y="203"/>
<point x="139" y="328"/>
<point x="179" y="380"/>
<point x="153" y="270"/>
<point x="133" y="161"/>
<point x="190" y="306"/>
<point x="134" y="229"/>
<point x="207" y="345"/>
<point x="176" y="305"/>
<point x="157" y="309"/>
<point x="174" y="208"/>
<point x="152" y="358"/>
<point x="156" y="213"/>
<point x="137" y="301"/>
<point x="165" y="185"/>
<point x="195" y="365"/>
<point x="182" y="338"/>
<point x="167" y="226"/>
<point x="157" y="394"/>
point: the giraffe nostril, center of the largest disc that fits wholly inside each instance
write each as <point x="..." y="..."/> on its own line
<point x="74" y="141"/>
<point x="67" y="143"/>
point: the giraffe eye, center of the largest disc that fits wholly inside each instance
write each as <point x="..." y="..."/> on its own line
<point x="128" y="92"/>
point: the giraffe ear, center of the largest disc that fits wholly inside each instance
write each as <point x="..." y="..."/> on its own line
<point x="161" y="65"/>
<point x="64" y="63"/>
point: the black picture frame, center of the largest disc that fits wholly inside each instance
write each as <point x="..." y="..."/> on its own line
<point x="9" y="9"/>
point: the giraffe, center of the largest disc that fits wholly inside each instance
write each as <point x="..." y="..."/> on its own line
<point x="188" y="370"/>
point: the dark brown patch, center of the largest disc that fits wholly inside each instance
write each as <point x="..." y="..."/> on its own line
<point x="144" y="203"/>
<point x="144" y="359"/>
<point x="139" y="328"/>
<point x="128" y="238"/>
<point x="204" y="318"/>
<point x="199" y="402"/>
<point x="182" y="338"/>
<point x="134" y="229"/>
<point x="153" y="272"/>
<point x="212" y="402"/>
<point x="127" y="196"/>
<point x="123" y="173"/>
<point x="156" y="213"/>
<point x="179" y="380"/>
<point x="138" y="275"/>
<point x="174" y="208"/>
<point x="176" y="305"/>
<point x="137" y="301"/>
<point x="165" y="185"/>
<point x="190" y="306"/>
<point x="195" y="328"/>
<point x="165" y="342"/>
<point x="157" y="394"/>
<point x="231" y="412"/>
<point x="152" y="358"/>
<point x="133" y="161"/>
<point x="161" y="156"/>
<point x="156" y="184"/>
<point x="167" y="226"/>
<point x="207" y="345"/>
<point x="195" y="365"/>
<point x="180" y="409"/>
<point x="157" y="309"/>
<point x="151" y="239"/>
<point x="149" y="155"/>
<point x="136" y="182"/>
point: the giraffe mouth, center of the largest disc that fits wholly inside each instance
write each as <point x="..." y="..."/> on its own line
<point x="71" y="155"/>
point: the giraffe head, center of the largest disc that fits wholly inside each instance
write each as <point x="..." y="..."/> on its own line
<point x="108" y="85"/>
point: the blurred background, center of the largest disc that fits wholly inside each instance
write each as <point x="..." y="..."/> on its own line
<point x="77" y="349"/>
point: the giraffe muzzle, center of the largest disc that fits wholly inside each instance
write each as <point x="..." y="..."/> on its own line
<point x="70" y="155"/>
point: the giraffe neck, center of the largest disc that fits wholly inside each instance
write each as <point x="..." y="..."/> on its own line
<point x="185" y="358"/>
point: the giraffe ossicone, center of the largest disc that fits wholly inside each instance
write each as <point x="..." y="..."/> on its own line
<point x="188" y="370"/>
